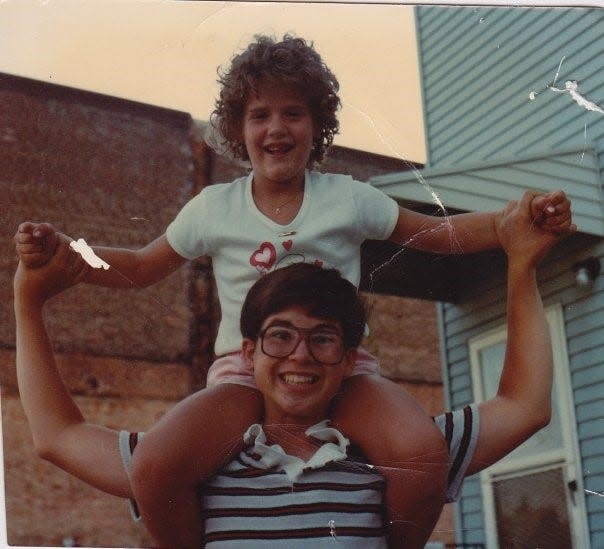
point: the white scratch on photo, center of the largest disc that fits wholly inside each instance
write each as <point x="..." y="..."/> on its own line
<point x="88" y="254"/>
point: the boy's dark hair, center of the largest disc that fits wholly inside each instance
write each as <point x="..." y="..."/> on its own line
<point x="291" y="62"/>
<point x="323" y="293"/>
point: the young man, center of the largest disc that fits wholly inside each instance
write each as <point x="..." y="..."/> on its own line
<point x="300" y="349"/>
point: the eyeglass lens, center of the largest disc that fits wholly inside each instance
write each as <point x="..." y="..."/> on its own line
<point x="325" y="346"/>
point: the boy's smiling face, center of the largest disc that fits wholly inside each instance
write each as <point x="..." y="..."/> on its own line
<point x="278" y="134"/>
<point x="297" y="389"/>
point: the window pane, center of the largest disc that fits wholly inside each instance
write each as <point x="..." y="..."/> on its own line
<point x="547" y="439"/>
<point x="531" y="511"/>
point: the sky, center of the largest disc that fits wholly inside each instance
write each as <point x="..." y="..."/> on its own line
<point x="166" y="53"/>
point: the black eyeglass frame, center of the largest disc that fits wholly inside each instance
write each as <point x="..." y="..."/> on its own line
<point x="303" y="334"/>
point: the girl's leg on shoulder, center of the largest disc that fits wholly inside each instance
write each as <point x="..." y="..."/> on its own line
<point x="185" y="448"/>
<point x="398" y="436"/>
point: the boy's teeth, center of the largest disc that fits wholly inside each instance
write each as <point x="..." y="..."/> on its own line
<point x="298" y="378"/>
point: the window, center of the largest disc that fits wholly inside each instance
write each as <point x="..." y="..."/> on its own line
<point x="531" y="497"/>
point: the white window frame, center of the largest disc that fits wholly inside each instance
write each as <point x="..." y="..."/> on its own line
<point x="568" y="458"/>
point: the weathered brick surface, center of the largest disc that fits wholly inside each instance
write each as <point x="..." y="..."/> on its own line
<point x="45" y="505"/>
<point x="110" y="376"/>
<point x="109" y="171"/>
<point x="361" y="165"/>
<point x="114" y="173"/>
<point x="404" y="335"/>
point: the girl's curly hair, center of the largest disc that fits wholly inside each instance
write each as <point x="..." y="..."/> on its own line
<point x="292" y="62"/>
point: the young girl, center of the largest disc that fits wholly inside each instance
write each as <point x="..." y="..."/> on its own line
<point x="277" y="109"/>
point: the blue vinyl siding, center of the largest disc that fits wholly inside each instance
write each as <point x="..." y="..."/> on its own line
<point x="584" y="326"/>
<point x="479" y="66"/>
<point x="486" y="186"/>
<point x="486" y="141"/>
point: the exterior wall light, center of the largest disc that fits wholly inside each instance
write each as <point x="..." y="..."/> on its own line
<point x="586" y="272"/>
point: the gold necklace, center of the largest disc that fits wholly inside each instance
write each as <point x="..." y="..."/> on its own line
<point x="294" y="197"/>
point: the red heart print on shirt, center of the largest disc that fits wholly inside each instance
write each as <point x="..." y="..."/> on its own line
<point x="264" y="257"/>
<point x="287" y="245"/>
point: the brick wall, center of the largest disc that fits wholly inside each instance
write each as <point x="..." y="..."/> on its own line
<point x="113" y="172"/>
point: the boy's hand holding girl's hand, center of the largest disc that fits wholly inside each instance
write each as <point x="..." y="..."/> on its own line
<point x="47" y="264"/>
<point x="552" y="212"/>
<point x="525" y="241"/>
<point x="36" y="243"/>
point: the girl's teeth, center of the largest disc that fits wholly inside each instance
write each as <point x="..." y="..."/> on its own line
<point x="277" y="149"/>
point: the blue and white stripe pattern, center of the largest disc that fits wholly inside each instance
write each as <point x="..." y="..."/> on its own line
<point x="250" y="505"/>
<point x="265" y="499"/>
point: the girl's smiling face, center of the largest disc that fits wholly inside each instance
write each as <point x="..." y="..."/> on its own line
<point x="278" y="133"/>
<point x="297" y="389"/>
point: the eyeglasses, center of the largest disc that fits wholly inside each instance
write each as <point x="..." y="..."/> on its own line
<point x="324" y="345"/>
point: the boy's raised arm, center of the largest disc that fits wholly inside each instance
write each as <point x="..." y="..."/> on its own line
<point x="477" y="231"/>
<point x="60" y="434"/>
<point x="522" y="405"/>
<point x="36" y="243"/>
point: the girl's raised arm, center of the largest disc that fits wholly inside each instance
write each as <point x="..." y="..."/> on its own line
<point x="477" y="231"/>
<point x="138" y="268"/>
<point x="37" y="242"/>
<point x="60" y="433"/>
